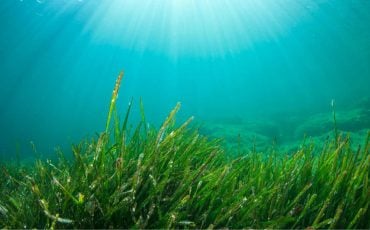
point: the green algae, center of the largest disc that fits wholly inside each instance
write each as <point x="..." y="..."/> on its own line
<point x="174" y="177"/>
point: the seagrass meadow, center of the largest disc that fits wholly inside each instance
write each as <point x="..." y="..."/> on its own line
<point x="174" y="177"/>
<point x="229" y="114"/>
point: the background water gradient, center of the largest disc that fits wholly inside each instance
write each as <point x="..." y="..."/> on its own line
<point x="223" y="59"/>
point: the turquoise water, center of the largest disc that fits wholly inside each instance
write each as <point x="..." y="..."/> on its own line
<point x="237" y="66"/>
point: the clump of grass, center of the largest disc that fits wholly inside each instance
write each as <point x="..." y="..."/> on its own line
<point x="140" y="177"/>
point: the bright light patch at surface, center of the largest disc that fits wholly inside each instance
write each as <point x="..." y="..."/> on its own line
<point x="189" y="27"/>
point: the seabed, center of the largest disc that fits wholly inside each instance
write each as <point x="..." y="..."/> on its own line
<point x="174" y="177"/>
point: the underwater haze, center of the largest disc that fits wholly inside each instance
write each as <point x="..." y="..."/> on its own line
<point x="244" y="68"/>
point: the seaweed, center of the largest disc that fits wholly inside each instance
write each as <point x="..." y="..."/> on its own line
<point x="174" y="177"/>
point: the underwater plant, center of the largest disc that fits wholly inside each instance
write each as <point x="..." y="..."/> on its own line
<point x="174" y="177"/>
